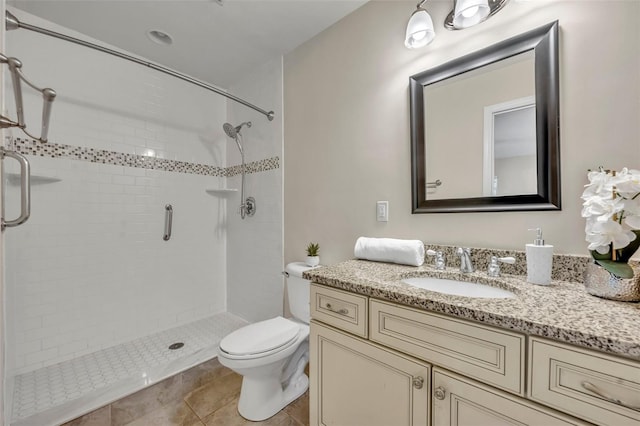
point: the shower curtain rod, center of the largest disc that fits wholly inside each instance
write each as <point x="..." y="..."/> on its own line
<point x="12" y="23"/>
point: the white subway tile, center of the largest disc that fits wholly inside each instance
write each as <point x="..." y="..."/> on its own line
<point x="38" y="358"/>
<point x="28" y="347"/>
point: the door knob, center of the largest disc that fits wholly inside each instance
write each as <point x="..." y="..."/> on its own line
<point x="439" y="393"/>
<point x="418" y="382"/>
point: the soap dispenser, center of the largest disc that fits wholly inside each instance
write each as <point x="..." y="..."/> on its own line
<point x="539" y="260"/>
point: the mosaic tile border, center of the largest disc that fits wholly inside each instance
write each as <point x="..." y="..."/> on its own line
<point x="254" y="167"/>
<point x="52" y="150"/>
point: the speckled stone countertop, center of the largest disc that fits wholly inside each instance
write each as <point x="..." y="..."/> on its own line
<point x="562" y="311"/>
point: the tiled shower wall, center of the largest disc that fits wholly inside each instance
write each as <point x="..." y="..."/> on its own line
<point x="90" y="268"/>
<point x="255" y="252"/>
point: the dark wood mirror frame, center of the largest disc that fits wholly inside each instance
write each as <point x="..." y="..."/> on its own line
<point x="544" y="42"/>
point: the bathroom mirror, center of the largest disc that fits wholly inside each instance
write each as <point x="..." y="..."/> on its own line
<point x="485" y="129"/>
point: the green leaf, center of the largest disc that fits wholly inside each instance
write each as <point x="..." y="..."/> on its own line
<point x="624" y="254"/>
<point x="619" y="269"/>
<point x="598" y="256"/>
<point x="312" y="249"/>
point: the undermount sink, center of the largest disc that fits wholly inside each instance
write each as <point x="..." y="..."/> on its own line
<point x="459" y="288"/>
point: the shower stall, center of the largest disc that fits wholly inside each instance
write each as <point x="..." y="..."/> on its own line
<point x="94" y="293"/>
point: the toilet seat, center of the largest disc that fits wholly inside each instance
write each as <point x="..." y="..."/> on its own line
<point x="260" y="339"/>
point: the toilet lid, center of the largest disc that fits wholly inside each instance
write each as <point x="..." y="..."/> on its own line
<point x="260" y="337"/>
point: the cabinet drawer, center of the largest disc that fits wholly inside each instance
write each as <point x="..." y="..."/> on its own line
<point x="462" y="402"/>
<point x="488" y="354"/>
<point x="340" y="309"/>
<point x="590" y="385"/>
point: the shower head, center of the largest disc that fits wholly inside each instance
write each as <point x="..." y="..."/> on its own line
<point x="232" y="131"/>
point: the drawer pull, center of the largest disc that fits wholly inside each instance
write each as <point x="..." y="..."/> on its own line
<point x="593" y="388"/>
<point x="439" y="393"/>
<point x="418" y="382"/>
<point x="341" y="311"/>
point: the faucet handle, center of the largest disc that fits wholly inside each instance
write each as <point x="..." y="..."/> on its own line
<point x="440" y="263"/>
<point x="494" y="265"/>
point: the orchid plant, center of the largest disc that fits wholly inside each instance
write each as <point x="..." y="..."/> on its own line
<point x="612" y="210"/>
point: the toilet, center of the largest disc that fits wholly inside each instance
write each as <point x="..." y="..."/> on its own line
<point x="271" y="355"/>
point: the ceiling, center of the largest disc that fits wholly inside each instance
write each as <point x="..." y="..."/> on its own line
<point x="213" y="40"/>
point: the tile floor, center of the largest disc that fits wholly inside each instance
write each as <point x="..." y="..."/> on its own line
<point x="206" y="395"/>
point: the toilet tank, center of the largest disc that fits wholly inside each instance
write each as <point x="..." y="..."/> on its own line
<point x="298" y="290"/>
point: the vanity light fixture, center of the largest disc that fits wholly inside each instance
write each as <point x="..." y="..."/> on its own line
<point x="419" y="29"/>
<point x="467" y="13"/>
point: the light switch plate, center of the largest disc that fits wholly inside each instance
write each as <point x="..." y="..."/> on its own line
<point x="382" y="211"/>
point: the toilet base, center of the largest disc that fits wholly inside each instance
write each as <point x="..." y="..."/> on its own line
<point x="262" y="397"/>
<point x="257" y="410"/>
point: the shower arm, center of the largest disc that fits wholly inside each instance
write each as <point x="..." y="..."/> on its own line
<point x="13" y="23"/>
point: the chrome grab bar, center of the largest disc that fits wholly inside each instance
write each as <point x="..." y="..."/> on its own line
<point x="168" y="220"/>
<point x="25" y="189"/>
<point x="48" y="96"/>
<point x="14" y="67"/>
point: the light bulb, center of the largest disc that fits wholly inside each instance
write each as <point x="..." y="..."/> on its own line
<point x="470" y="12"/>
<point x="419" y="30"/>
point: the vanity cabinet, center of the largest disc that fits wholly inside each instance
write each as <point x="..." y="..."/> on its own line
<point x="355" y="382"/>
<point x="375" y="362"/>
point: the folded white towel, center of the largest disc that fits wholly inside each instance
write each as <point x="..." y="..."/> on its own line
<point x="406" y="252"/>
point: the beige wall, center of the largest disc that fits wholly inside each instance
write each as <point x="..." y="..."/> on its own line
<point x="346" y="125"/>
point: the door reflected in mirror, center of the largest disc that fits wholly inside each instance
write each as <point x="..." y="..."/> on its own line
<point x="509" y="161"/>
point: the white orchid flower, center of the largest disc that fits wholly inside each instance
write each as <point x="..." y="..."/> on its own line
<point x="608" y="197"/>
<point x="599" y="184"/>
<point x="602" y="207"/>
<point x="631" y="215"/>
<point x="601" y="234"/>
<point x="627" y="183"/>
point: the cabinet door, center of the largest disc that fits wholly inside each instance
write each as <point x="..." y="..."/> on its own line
<point x="355" y="382"/>
<point x="463" y="402"/>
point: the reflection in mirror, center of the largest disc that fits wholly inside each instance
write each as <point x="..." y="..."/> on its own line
<point x="485" y="129"/>
<point x="509" y="160"/>
<point x="456" y="122"/>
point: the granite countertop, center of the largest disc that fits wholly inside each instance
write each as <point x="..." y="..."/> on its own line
<point x="562" y="311"/>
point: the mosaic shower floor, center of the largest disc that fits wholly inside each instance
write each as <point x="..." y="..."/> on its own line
<point x="60" y="392"/>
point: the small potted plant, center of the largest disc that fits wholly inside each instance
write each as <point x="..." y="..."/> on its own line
<point x="312" y="254"/>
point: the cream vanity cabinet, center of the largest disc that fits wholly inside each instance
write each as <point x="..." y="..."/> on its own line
<point x="379" y="363"/>
<point x="357" y="382"/>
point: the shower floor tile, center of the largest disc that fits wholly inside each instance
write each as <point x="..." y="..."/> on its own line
<point x="100" y="377"/>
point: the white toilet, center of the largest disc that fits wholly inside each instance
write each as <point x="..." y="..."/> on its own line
<point x="271" y="355"/>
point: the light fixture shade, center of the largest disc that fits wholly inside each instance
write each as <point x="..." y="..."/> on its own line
<point x="470" y="12"/>
<point x="419" y="30"/>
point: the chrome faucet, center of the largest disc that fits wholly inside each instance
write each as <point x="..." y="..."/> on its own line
<point x="440" y="263"/>
<point x="465" y="259"/>
<point x="494" y="266"/>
